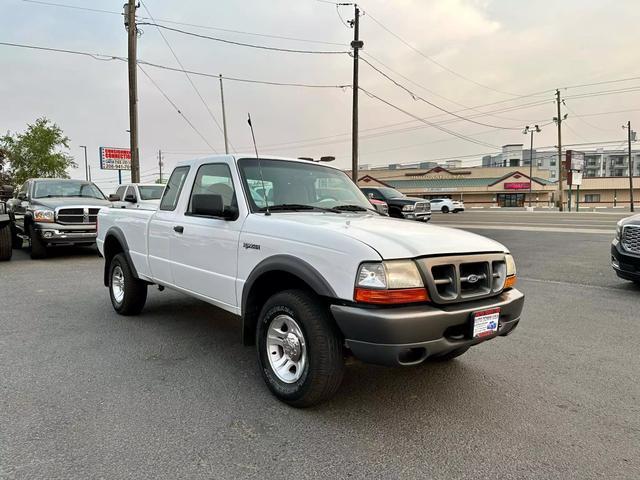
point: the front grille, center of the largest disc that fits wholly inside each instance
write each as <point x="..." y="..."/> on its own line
<point x="461" y="278"/>
<point x="421" y="207"/>
<point x="631" y="238"/>
<point x="77" y="215"/>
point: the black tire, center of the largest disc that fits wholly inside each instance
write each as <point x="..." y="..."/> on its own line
<point x="134" y="290"/>
<point x="445" y="209"/>
<point x="395" y="213"/>
<point x="445" y="357"/>
<point x="324" y="367"/>
<point x="5" y="243"/>
<point x="38" y="247"/>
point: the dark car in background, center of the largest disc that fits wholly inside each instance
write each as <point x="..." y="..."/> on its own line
<point x="625" y="249"/>
<point x="400" y="206"/>
<point x="50" y="212"/>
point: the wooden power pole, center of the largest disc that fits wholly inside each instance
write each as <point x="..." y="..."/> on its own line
<point x="630" y="136"/>
<point x="132" y="31"/>
<point x="357" y="44"/>
<point x="560" y="162"/>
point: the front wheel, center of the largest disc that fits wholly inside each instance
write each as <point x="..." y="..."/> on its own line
<point x="38" y="247"/>
<point x="299" y="349"/>
<point x="128" y="293"/>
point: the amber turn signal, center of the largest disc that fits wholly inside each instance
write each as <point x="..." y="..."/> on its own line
<point x="391" y="297"/>
<point x="510" y="282"/>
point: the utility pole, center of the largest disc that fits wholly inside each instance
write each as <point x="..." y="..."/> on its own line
<point x="160" y="164"/>
<point x="560" y="162"/>
<point x="357" y="44"/>
<point x="132" y="30"/>
<point x="630" y="135"/>
<point x="531" y="130"/>
<point x="86" y="163"/>
<point x="224" y="118"/>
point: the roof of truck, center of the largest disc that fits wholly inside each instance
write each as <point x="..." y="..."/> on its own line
<point x="238" y="156"/>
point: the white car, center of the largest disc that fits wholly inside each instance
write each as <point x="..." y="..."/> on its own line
<point x="138" y="195"/>
<point x="446" y="205"/>
<point x="311" y="269"/>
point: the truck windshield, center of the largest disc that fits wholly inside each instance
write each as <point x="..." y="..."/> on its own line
<point x="390" y="192"/>
<point x="299" y="186"/>
<point x="66" y="188"/>
<point x="151" y="192"/>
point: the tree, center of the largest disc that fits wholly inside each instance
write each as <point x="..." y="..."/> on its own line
<point x="38" y="152"/>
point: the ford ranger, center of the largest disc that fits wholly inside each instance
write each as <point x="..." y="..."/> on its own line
<point x="295" y="249"/>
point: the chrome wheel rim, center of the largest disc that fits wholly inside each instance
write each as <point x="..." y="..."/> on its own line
<point x="286" y="348"/>
<point x="117" y="284"/>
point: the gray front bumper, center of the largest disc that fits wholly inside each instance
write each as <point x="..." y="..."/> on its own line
<point x="56" y="233"/>
<point x="386" y="335"/>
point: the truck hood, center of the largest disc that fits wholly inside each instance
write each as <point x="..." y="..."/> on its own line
<point x="396" y="238"/>
<point x="55" y="202"/>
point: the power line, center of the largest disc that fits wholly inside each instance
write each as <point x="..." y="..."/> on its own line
<point x="193" y="85"/>
<point x="432" y="60"/>
<point x="176" y="108"/>
<point x="206" y="27"/>
<point x="242" y="44"/>
<point x="446" y="130"/>
<point x="415" y="96"/>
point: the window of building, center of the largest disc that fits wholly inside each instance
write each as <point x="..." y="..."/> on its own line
<point x="552" y="162"/>
<point x="592" y="198"/>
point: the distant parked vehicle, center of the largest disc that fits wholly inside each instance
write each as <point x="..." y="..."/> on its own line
<point x="446" y="205"/>
<point x="138" y="195"/>
<point x="400" y="206"/>
<point x="625" y="249"/>
<point x="6" y="233"/>
<point x="55" y="211"/>
<point x="380" y="206"/>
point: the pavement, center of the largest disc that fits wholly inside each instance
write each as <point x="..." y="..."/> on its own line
<point x="85" y="393"/>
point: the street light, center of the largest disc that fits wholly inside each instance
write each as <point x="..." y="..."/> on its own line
<point x="531" y="130"/>
<point x="86" y="167"/>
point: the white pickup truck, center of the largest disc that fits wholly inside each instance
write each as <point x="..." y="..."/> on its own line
<point x="296" y="250"/>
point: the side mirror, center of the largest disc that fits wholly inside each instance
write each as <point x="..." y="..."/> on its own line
<point x="114" y="198"/>
<point x="211" y="205"/>
<point x="131" y="198"/>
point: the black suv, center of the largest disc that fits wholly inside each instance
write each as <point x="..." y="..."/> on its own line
<point x="53" y="211"/>
<point x="625" y="249"/>
<point x="400" y="206"/>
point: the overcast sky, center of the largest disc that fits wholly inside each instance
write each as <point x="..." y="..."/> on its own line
<point x="491" y="51"/>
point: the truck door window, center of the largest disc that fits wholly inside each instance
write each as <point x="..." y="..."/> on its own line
<point x="173" y="189"/>
<point x="214" y="178"/>
<point x="120" y="192"/>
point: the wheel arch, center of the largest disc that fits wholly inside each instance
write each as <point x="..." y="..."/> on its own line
<point x="115" y="243"/>
<point x="272" y="275"/>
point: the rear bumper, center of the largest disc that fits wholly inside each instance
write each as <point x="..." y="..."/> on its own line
<point x="409" y="335"/>
<point x="625" y="264"/>
<point x="59" y="234"/>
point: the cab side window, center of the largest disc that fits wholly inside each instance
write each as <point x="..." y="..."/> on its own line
<point x="215" y="178"/>
<point x="120" y="192"/>
<point x="174" y="187"/>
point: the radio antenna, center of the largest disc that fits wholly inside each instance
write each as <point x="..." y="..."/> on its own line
<point x="255" y="147"/>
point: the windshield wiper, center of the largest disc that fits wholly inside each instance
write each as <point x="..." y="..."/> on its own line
<point x="293" y="207"/>
<point x="354" y="208"/>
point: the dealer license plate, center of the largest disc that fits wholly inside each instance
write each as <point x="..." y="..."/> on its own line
<point x="485" y="323"/>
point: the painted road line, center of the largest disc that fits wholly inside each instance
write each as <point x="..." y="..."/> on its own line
<point x="532" y="229"/>
<point x="612" y="225"/>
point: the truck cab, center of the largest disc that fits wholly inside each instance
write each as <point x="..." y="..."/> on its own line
<point x="296" y="250"/>
<point x="137" y="195"/>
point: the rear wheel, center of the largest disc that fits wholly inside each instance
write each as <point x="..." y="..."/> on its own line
<point x="38" y="247"/>
<point x="445" y="209"/>
<point x="299" y="349"/>
<point x="5" y="242"/>
<point x="128" y="294"/>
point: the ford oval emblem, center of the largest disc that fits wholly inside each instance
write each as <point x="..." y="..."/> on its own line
<point x="472" y="279"/>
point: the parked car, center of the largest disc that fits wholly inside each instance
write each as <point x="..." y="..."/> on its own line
<point x="312" y="278"/>
<point x="400" y="206"/>
<point x="446" y="205"/>
<point x="380" y="206"/>
<point x="625" y="249"/>
<point x="138" y="195"/>
<point x="54" y="211"/>
<point x="6" y="233"/>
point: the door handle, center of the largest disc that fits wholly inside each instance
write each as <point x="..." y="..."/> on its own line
<point x="178" y="228"/>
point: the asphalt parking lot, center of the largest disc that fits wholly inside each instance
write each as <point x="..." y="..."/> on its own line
<point x="85" y="393"/>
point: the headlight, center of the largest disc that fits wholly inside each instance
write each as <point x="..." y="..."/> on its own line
<point x="618" y="231"/>
<point x="392" y="282"/>
<point x="43" y="216"/>
<point x="408" y="208"/>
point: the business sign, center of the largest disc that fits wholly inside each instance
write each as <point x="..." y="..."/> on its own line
<point x="115" y="158"/>
<point x="574" y="165"/>
<point x="517" y="185"/>
<point x="441" y="189"/>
